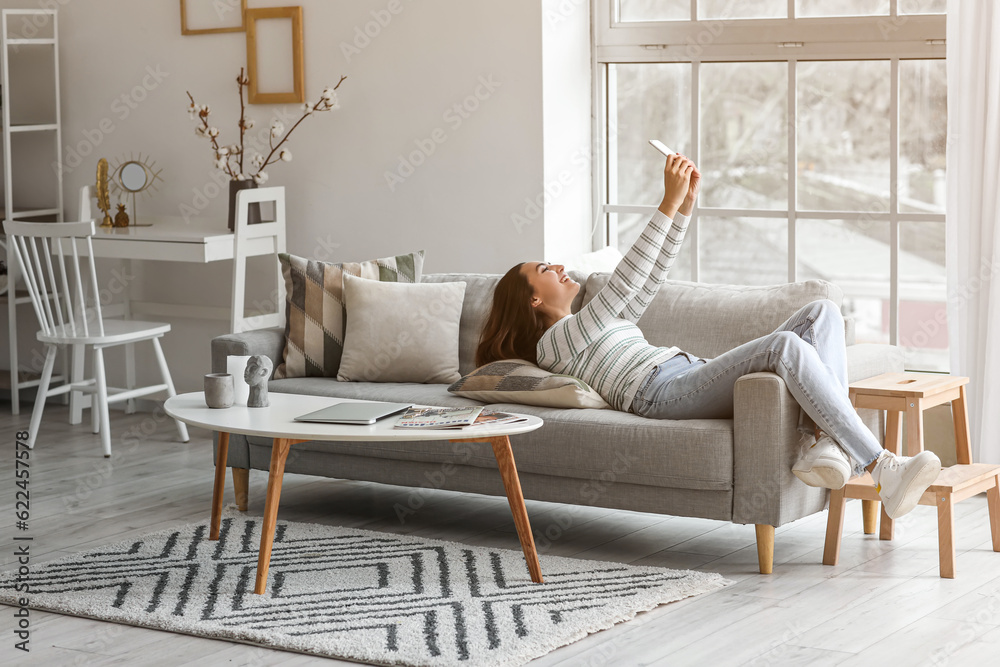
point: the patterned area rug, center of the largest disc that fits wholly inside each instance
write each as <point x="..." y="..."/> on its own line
<point x="353" y="594"/>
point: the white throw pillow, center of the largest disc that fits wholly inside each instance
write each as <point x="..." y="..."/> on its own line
<point x="400" y="332"/>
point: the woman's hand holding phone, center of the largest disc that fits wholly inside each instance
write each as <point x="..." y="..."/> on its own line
<point x="676" y="183"/>
<point x="693" y="186"/>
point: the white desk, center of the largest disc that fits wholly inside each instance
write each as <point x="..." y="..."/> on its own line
<point x="172" y="239"/>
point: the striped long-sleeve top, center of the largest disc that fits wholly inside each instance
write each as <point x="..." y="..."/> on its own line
<point x="601" y="344"/>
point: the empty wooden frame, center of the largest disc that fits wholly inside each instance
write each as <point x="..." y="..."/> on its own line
<point x="219" y="15"/>
<point x="254" y="50"/>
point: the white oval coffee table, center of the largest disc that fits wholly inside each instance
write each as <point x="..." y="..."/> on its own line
<point x="277" y="422"/>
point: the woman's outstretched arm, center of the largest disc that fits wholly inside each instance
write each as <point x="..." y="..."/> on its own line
<point x="575" y="334"/>
<point x="640" y="261"/>
<point x="668" y="253"/>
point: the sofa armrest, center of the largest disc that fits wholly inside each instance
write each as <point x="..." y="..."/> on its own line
<point x="869" y="359"/>
<point x="765" y="446"/>
<point x="269" y="342"/>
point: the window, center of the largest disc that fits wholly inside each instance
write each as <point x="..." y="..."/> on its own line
<point x="820" y="128"/>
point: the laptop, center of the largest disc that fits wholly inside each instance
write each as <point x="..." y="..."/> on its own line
<point x="367" y="412"/>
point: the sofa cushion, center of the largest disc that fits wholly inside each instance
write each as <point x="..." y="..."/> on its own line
<point x="598" y="445"/>
<point x="401" y="333"/>
<point x="314" y="321"/>
<point x="521" y="382"/>
<point x="707" y="320"/>
<point x="478" y="300"/>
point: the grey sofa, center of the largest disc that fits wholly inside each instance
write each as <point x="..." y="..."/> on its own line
<point x="735" y="470"/>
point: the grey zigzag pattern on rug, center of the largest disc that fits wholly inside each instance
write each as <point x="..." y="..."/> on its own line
<point x="353" y="594"/>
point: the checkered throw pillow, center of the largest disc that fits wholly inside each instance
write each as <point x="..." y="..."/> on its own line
<point x="519" y="381"/>
<point x="315" y="320"/>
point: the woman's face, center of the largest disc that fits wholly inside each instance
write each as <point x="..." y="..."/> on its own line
<point x="554" y="289"/>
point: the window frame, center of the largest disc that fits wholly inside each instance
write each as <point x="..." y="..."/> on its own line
<point x="891" y="37"/>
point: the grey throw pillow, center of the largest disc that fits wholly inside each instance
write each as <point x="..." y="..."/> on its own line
<point x="519" y="381"/>
<point x="398" y="332"/>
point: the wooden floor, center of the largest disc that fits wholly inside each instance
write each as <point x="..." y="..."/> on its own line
<point x="884" y="604"/>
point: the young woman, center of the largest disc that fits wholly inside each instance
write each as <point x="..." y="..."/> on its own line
<point x="601" y="344"/>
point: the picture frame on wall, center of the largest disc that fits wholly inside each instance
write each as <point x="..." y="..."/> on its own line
<point x="275" y="59"/>
<point x="209" y="17"/>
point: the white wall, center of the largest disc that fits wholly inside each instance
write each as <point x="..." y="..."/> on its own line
<point x="126" y="67"/>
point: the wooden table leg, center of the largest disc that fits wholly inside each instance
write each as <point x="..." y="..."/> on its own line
<point x="221" y="458"/>
<point x="894" y="443"/>
<point x="993" y="499"/>
<point x="914" y="427"/>
<point x="960" y="417"/>
<point x="279" y="452"/>
<point x="512" y="485"/>
<point x="946" y="535"/>
<point x="834" y="527"/>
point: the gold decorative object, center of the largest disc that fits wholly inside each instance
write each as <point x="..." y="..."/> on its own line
<point x="298" y="92"/>
<point x="121" y="217"/>
<point x="135" y="175"/>
<point x="103" y="196"/>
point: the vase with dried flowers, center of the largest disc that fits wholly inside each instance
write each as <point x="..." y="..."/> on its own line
<point x="248" y="171"/>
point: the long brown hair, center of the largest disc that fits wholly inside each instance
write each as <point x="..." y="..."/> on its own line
<point x="513" y="327"/>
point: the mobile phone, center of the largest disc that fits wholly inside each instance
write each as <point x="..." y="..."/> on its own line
<point x="660" y="146"/>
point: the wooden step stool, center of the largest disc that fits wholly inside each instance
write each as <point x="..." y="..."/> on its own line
<point x="907" y="395"/>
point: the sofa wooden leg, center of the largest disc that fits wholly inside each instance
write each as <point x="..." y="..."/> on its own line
<point x="765" y="547"/>
<point x="241" y="485"/>
<point x="869" y="512"/>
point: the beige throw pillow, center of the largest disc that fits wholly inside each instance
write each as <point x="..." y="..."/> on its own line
<point x="519" y="381"/>
<point x="398" y="332"/>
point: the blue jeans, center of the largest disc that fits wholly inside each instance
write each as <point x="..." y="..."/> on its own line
<point x="808" y="352"/>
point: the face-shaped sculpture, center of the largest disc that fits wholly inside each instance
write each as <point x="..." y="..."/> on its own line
<point x="256" y="375"/>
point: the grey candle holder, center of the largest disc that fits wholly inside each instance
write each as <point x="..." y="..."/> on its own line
<point x="219" y="390"/>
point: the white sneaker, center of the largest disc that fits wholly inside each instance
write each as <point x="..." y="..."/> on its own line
<point x="823" y="464"/>
<point x="901" y="480"/>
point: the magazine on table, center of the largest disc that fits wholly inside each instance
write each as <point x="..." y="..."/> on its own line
<point x="487" y="417"/>
<point x="438" y="417"/>
<point x="454" y="418"/>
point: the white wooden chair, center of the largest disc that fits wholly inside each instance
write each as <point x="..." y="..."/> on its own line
<point x="251" y="236"/>
<point x="78" y="403"/>
<point x="69" y="317"/>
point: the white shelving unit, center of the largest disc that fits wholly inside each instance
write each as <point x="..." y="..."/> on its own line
<point x="27" y="129"/>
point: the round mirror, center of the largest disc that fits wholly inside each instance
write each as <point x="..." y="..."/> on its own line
<point x="133" y="176"/>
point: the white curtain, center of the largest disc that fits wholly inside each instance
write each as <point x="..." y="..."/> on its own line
<point x="973" y="217"/>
